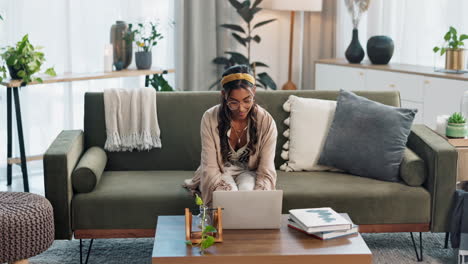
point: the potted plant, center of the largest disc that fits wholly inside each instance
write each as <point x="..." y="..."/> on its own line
<point x="24" y="60"/>
<point x="455" y="54"/>
<point x="245" y="36"/>
<point x="456" y="126"/>
<point x="145" y="41"/>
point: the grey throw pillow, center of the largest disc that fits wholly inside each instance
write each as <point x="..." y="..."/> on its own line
<point x="367" y="138"/>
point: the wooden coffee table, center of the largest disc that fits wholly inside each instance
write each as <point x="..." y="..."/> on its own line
<point x="284" y="245"/>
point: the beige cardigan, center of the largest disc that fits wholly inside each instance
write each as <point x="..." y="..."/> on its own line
<point x="208" y="175"/>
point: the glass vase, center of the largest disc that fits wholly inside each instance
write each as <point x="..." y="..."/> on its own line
<point x="203" y="219"/>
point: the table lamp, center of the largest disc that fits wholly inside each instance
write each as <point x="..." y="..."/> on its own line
<point x="293" y="6"/>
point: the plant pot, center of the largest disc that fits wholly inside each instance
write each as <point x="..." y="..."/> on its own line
<point x="354" y="53"/>
<point x="143" y="60"/>
<point x="455" y="59"/>
<point x="455" y="130"/>
<point x="380" y="49"/>
<point x="14" y="73"/>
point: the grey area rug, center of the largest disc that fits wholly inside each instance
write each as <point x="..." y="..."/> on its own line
<point x="386" y="248"/>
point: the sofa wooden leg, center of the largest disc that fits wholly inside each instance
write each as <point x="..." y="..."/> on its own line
<point x="419" y="256"/>
<point x="23" y="261"/>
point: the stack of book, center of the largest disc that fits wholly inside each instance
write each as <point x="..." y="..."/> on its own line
<point x="323" y="223"/>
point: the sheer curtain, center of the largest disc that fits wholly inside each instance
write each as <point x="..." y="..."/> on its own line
<point x="415" y="26"/>
<point x="73" y="34"/>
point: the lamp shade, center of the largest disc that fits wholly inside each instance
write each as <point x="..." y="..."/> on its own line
<point x="292" y="5"/>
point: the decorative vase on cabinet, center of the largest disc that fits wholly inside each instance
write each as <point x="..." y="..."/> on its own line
<point x="122" y="46"/>
<point x="380" y="49"/>
<point x="354" y="53"/>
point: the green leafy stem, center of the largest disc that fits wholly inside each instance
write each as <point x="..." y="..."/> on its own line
<point x="159" y="83"/>
<point x="207" y="240"/>
<point x="452" y="41"/>
<point x="144" y="40"/>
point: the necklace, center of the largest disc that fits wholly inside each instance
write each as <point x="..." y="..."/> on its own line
<point x="237" y="133"/>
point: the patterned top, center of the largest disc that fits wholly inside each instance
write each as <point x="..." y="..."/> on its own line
<point x="241" y="156"/>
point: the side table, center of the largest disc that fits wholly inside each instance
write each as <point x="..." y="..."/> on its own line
<point x="461" y="145"/>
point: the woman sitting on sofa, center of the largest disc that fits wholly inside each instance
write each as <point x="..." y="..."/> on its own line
<point x="238" y="140"/>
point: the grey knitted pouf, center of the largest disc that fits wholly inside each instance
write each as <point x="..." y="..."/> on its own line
<point x="26" y="225"/>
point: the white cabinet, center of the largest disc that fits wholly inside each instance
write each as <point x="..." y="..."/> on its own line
<point x="409" y="86"/>
<point x="442" y="96"/>
<point x="331" y="77"/>
<point x="419" y="87"/>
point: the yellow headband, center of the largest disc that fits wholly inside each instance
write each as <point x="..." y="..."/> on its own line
<point x="238" y="76"/>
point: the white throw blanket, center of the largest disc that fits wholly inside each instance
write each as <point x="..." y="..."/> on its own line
<point x="131" y="119"/>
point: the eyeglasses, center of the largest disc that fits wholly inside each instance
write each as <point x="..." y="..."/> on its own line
<point x="246" y="103"/>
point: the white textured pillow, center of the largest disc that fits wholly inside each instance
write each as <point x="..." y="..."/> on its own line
<point x="309" y="122"/>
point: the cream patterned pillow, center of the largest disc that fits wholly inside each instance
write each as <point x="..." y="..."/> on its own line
<point x="308" y="123"/>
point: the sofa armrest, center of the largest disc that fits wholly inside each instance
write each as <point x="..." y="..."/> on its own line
<point x="441" y="167"/>
<point x="59" y="161"/>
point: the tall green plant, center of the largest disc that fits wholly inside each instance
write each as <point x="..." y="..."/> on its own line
<point x="24" y="60"/>
<point x="244" y="34"/>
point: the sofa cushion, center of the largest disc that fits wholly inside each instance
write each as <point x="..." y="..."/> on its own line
<point x="89" y="170"/>
<point x="309" y="122"/>
<point x="367" y="138"/>
<point x="367" y="201"/>
<point x="412" y="169"/>
<point x="132" y="200"/>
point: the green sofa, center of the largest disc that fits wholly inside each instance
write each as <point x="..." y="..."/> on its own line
<point x="136" y="187"/>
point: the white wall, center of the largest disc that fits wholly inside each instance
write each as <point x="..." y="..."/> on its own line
<point x="73" y="34"/>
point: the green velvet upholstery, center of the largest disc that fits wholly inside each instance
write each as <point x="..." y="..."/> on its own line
<point x="59" y="161"/>
<point x="179" y="115"/>
<point x="89" y="170"/>
<point x="135" y="186"/>
<point x="367" y="201"/>
<point x="412" y="168"/>
<point x="441" y="165"/>
<point x="132" y="199"/>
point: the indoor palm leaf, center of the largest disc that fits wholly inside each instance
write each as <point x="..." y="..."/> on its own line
<point x="244" y="35"/>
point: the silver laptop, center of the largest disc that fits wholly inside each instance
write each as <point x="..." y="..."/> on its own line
<point x="250" y="209"/>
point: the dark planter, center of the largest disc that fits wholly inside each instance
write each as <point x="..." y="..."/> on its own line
<point x="143" y="60"/>
<point x="122" y="48"/>
<point x="354" y="53"/>
<point x="14" y="73"/>
<point x="380" y="49"/>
